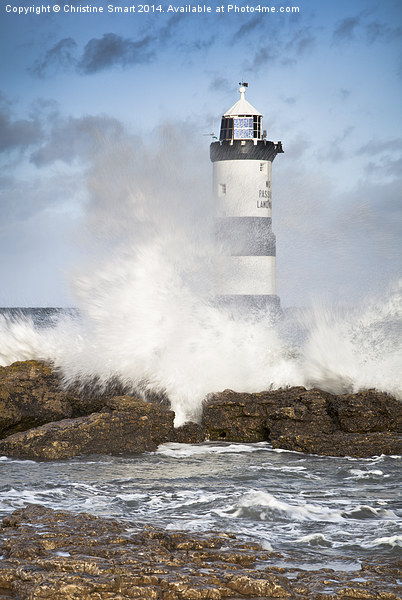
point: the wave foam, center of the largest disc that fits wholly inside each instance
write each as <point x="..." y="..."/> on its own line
<point x="264" y="506"/>
<point x="146" y="315"/>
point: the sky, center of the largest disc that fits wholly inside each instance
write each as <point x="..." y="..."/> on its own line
<point x="327" y="78"/>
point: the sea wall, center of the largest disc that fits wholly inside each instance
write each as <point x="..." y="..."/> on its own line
<point x="39" y="419"/>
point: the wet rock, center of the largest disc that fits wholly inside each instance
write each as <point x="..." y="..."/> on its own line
<point x="264" y="416"/>
<point x="342" y="444"/>
<point x="363" y="424"/>
<point x="61" y="423"/>
<point x="57" y="555"/>
<point x="127" y="425"/>
<point x="189" y="433"/>
<point x="367" y="411"/>
<point x="30" y="395"/>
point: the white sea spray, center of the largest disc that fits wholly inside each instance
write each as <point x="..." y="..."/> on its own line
<point x="146" y="310"/>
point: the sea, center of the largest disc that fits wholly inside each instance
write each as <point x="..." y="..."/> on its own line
<point x="316" y="511"/>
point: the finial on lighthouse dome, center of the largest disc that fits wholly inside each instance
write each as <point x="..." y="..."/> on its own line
<point x="242" y="90"/>
<point x="242" y="107"/>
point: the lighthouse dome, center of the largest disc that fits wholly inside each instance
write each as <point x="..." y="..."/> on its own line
<point x="242" y="107"/>
<point x="242" y="121"/>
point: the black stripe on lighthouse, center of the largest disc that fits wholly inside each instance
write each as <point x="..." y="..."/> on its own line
<point x="246" y="236"/>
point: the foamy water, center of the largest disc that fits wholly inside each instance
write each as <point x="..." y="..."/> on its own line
<point x="146" y="309"/>
<point x="314" y="510"/>
<point x="188" y="348"/>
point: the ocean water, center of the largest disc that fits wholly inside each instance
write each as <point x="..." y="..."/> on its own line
<point x="326" y="511"/>
<point x="316" y="511"/>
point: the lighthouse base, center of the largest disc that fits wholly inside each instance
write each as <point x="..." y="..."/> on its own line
<point x="251" y="307"/>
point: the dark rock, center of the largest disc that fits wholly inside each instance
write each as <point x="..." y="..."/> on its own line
<point x="60" y="422"/>
<point x="30" y="395"/>
<point x="189" y="433"/>
<point x="362" y="424"/>
<point x="57" y="555"/>
<point x="368" y="411"/>
<point x="264" y="416"/>
<point x="129" y="426"/>
<point x="342" y="444"/>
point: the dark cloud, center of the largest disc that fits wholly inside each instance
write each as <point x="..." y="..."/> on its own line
<point x="298" y="146"/>
<point x="285" y="50"/>
<point x="380" y="146"/>
<point x="372" y="32"/>
<point x="74" y="138"/>
<point x="59" y="57"/>
<point x="344" y="94"/>
<point x="111" y="50"/>
<point x="388" y="157"/>
<point x="346" y="29"/>
<point x="166" y="32"/>
<point x="198" y="45"/>
<point x="18" y="134"/>
<point x="265" y="54"/>
<point x="290" y="100"/>
<point x="385" y="165"/>
<point x="300" y="42"/>
<point x="338" y="147"/>
<point x="379" y="31"/>
<point x="248" y="26"/>
<point x="221" y="84"/>
<point x="44" y="109"/>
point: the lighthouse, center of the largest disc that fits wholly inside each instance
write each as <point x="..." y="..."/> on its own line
<point x="242" y="161"/>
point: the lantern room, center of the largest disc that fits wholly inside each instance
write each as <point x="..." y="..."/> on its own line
<point x="242" y="121"/>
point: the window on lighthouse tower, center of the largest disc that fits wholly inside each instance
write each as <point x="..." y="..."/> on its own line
<point x="240" y="128"/>
<point x="243" y="128"/>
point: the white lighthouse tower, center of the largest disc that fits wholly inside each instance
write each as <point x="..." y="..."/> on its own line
<point x="242" y="160"/>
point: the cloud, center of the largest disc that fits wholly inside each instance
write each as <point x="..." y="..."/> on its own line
<point x="388" y="157"/>
<point x="338" y="146"/>
<point x="18" y="133"/>
<point x="199" y="44"/>
<point x="265" y="54"/>
<point x="375" y="212"/>
<point x="380" y="146"/>
<point x="349" y="241"/>
<point x="346" y="29"/>
<point x="59" y="57"/>
<point x="221" y="84"/>
<point x="290" y="100"/>
<point x="166" y="31"/>
<point x="111" y="50"/>
<point x="344" y="94"/>
<point x="372" y="32"/>
<point x="298" y="146"/>
<point x="379" y="31"/>
<point x="285" y="49"/>
<point x="301" y="42"/>
<point x="74" y="138"/>
<point x="385" y="166"/>
<point x="248" y="26"/>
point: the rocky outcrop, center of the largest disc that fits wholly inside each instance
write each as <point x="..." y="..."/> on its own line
<point x="49" y="555"/>
<point x="125" y="425"/>
<point x="30" y="395"/>
<point x="364" y="424"/>
<point x="40" y="419"/>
